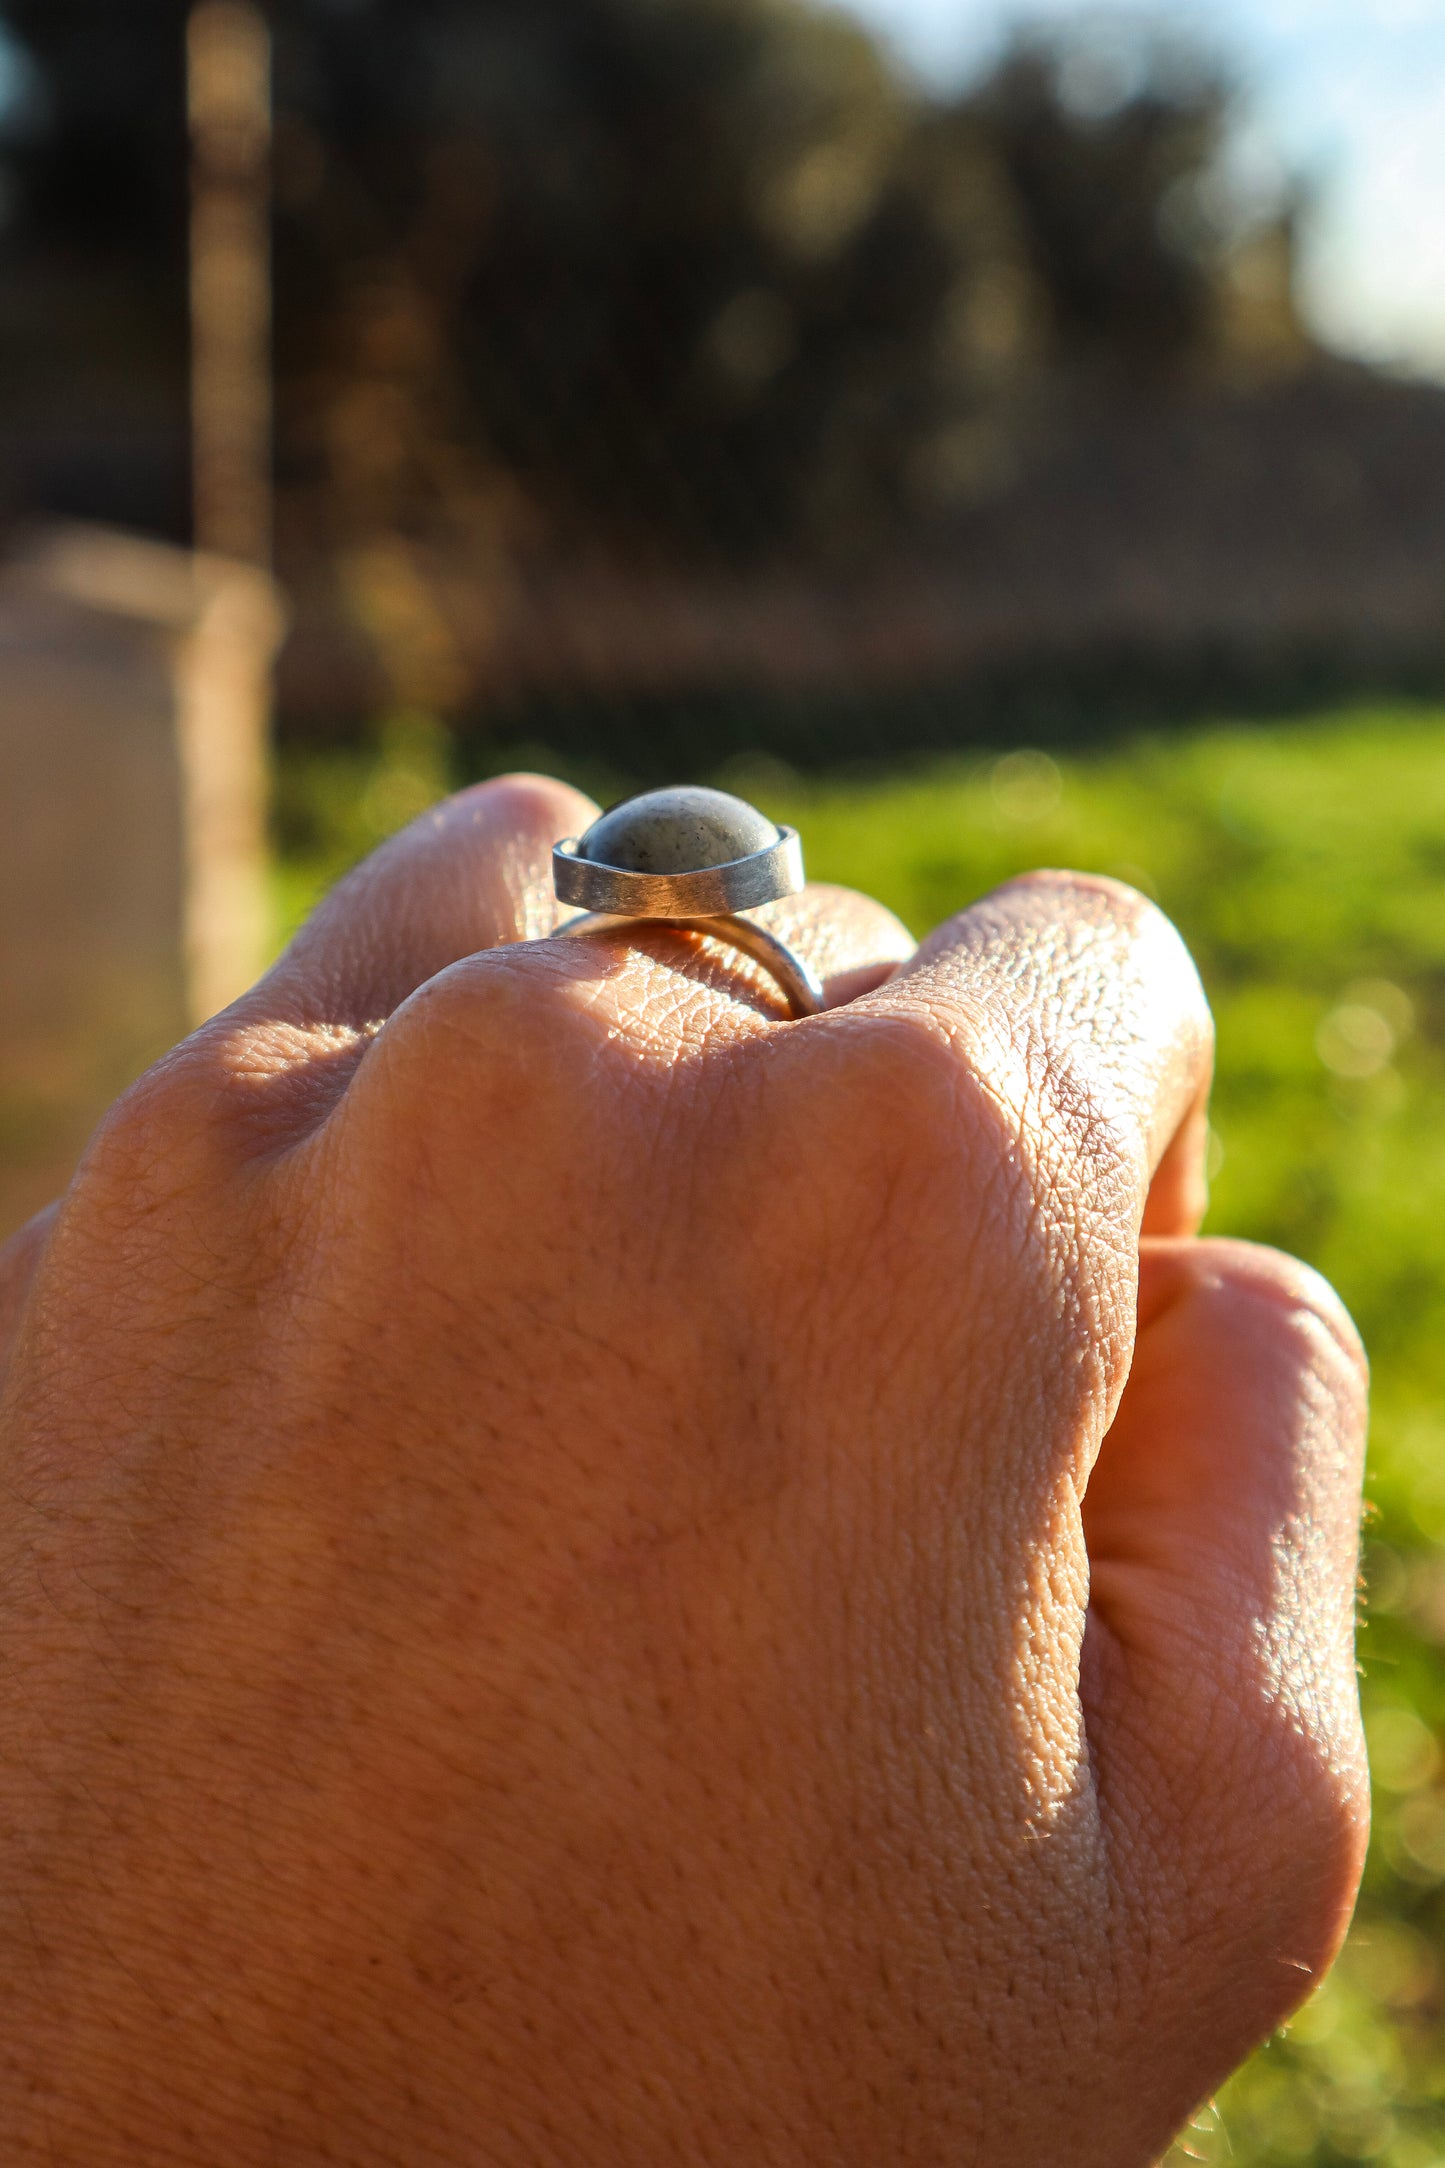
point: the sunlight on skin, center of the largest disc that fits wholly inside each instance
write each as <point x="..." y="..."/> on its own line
<point x="671" y="1560"/>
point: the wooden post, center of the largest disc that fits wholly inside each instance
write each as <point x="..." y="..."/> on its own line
<point x="224" y="677"/>
<point x="231" y="128"/>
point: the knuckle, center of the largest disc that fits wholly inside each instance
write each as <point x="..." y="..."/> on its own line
<point x="1062" y="1121"/>
<point x="496" y="1044"/>
<point x="1082" y="1142"/>
<point x="950" y="1102"/>
<point x="1130" y="904"/>
<point x="1300" y="1869"/>
<point x="891" y="1140"/>
<point x="1100" y="898"/>
<point x="521" y="805"/>
<point x="162" y="1199"/>
<point x="147" y="1147"/>
<point x="1111" y="970"/>
<point x="514" y="817"/>
<point x="1296" y="1303"/>
<point x="1245" y="1844"/>
<point x="872" y="1095"/>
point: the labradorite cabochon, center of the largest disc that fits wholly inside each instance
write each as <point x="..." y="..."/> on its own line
<point x="682" y="830"/>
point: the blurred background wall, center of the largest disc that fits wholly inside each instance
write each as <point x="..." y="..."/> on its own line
<point x="667" y="376"/>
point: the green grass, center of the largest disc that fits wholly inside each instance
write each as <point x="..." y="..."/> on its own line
<point x="1306" y="867"/>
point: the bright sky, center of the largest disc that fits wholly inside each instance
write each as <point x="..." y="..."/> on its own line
<point x="1349" y="93"/>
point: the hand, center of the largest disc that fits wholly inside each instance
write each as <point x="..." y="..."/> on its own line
<point x="591" y="1576"/>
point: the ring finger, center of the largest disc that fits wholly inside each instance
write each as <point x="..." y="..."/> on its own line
<point x="476" y="874"/>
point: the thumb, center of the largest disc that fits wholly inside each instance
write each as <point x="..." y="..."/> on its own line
<point x="1222" y="1520"/>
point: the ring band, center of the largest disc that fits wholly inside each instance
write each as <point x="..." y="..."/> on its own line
<point x="796" y="980"/>
<point x="691" y="859"/>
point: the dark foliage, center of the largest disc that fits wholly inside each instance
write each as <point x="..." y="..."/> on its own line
<point x="646" y="275"/>
<point x="1112" y="156"/>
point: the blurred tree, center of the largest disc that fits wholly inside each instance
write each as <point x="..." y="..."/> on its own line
<point x="673" y="275"/>
<point x="93" y="219"/>
<point x="97" y="128"/>
<point x="1113" y="145"/>
<point x="668" y="255"/>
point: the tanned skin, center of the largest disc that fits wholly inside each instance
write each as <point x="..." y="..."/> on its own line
<point x="591" y="1576"/>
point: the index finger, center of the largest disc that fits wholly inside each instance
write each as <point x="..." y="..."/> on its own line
<point x="19" y="1260"/>
<point x="1084" y="997"/>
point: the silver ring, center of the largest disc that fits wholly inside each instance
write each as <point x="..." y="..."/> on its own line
<point x="690" y="859"/>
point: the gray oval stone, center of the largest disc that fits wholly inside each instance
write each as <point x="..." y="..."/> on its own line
<point x="682" y="830"/>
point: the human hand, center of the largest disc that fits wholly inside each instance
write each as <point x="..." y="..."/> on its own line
<point x="592" y="1576"/>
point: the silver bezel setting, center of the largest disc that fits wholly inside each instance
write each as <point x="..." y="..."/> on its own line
<point x="712" y="892"/>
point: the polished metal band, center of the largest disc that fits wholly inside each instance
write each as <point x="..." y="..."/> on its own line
<point x="796" y="979"/>
<point x="712" y="892"/>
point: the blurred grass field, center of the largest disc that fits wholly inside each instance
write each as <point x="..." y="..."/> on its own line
<point x="1305" y="864"/>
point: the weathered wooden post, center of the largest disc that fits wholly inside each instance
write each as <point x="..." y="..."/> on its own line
<point x="231" y="133"/>
<point x="135" y="700"/>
